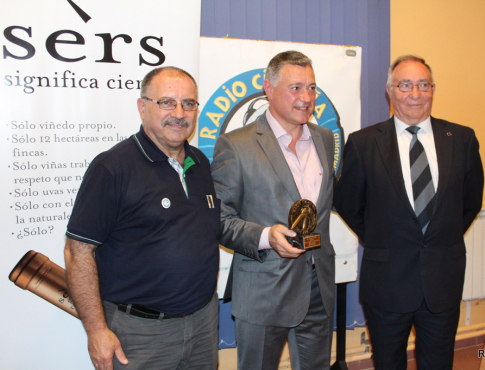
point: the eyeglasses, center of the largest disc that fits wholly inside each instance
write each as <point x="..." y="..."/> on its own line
<point x="408" y="86"/>
<point x="170" y="104"/>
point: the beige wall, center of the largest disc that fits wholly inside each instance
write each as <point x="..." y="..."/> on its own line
<point x="450" y="35"/>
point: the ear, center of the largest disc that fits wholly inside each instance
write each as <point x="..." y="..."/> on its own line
<point x="268" y="89"/>
<point x="388" y="90"/>
<point x="141" y="107"/>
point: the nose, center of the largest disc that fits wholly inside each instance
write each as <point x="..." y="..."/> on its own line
<point x="415" y="93"/>
<point x="305" y="95"/>
<point x="178" y="112"/>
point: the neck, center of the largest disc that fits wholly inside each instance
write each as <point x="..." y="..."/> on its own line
<point x="178" y="155"/>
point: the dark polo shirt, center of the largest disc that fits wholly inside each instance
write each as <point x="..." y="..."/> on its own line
<point x="156" y="246"/>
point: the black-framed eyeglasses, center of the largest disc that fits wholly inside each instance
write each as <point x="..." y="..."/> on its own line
<point x="171" y="104"/>
<point x="408" y="86"/>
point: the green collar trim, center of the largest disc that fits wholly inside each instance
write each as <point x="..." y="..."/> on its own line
<point x="188" y="162"/>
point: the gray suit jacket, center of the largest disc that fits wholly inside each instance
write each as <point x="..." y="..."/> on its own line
<point x="253" y="180"/>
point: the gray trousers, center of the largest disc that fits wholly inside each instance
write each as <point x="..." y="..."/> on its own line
<point x="259" y="347"/>
<point x="183" y="343"/>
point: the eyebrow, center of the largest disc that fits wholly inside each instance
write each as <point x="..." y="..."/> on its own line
<point x="408" y="80"/>
<point x="169" y="98"/>
<point x="301" y="84"/>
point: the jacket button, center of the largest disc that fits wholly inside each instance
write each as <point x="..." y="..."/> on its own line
<point x="423" y="245"/>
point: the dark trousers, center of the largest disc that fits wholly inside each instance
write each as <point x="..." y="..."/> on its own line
<point x="259" y="347"/>
<point x="435" y="337"/>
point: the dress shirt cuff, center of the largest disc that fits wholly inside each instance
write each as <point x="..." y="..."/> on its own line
<point x="264" y="239"/>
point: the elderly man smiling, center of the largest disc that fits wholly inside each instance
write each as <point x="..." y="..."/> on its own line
<point x="410" y="188"/>
<point x="148" y="208"/>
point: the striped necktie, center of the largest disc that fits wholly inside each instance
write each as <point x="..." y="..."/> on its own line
<point x="423" y="188"/>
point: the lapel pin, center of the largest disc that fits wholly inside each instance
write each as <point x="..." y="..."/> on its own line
<point x="166" y="203"/>
<point x="449" y="133"/>
<point x="210" y="201"/>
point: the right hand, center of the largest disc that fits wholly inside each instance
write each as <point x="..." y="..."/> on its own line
<point x="279" y="243"/>
<point x="102" y="345"/>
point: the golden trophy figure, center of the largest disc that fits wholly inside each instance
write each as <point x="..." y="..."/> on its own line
<point x="302" y="219"/>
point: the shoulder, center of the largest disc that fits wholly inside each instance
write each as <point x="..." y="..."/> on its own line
<point x="323" y="133"/>
<point x="199" y="155"/>
<point x="448" y="126"/>
<point x="243" y="136"/>
<point x="125" y="153"/>
<point x="375" y="129"/>
<point x="319" y="129"/>
<point x="243" y="133"/>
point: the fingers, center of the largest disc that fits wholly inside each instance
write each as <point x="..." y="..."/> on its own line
<point x="279" y="243"/>
<point x="102" y="347"/>
<point x="120" y="355"/>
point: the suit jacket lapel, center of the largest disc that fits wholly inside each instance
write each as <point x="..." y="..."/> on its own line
<point x="271" y="148"/>
<point x="389" y="150"/>
<point x="322" y="155"/>
<point x="443" y="141"/>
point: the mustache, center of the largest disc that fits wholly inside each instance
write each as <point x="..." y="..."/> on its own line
<point x="176" y="121"/>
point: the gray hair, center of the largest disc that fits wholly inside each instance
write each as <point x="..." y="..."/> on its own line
<point x="173" y="71"/>
<point x="288" y="57"/>
<point x="402" y="59"/>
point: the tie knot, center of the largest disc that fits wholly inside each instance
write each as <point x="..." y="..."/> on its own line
<point x="413" y="129"/>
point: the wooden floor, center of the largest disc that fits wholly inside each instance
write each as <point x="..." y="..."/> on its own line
<point x="466" y="357"/>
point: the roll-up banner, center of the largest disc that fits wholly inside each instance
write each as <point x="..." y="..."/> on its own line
<point x="70" y="75"/>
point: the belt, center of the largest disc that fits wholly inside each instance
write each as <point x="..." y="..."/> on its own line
<point x="144" y="312"/>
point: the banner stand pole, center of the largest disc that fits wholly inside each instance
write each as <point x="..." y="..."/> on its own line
<point x="340" y="363"/>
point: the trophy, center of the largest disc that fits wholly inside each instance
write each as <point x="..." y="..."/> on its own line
<point x="302" y="219"/>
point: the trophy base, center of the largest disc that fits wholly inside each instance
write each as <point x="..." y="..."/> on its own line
<point x="305" y="242"/>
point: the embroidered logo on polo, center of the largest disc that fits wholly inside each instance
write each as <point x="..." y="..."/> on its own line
<point x="241" y="99"/>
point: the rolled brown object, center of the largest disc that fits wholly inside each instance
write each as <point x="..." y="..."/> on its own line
<point x="35" y="272"/>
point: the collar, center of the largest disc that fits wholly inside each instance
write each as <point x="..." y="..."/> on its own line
<point x="425" y="126"/>
<point x="279" y="131"/>
<point x="152" y="153"/>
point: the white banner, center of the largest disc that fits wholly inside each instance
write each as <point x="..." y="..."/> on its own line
<point x="231" y="95"/>
<point x="70" y="77"/>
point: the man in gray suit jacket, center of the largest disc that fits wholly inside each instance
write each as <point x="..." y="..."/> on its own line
<point x="259" y="171"/>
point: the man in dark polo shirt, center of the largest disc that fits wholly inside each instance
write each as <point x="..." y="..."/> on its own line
<point x="148" y="208"/>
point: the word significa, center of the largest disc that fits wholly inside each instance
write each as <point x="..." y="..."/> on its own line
<point x="68" y="79"/>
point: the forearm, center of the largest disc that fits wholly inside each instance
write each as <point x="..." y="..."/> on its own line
<point x="83" y="284"/>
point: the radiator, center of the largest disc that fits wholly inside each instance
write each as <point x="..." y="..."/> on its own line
<point x="475" y="260"/>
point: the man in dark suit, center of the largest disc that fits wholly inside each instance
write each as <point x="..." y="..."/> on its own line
<point x="410" y="188"/>
<point x="259" y="171"/>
